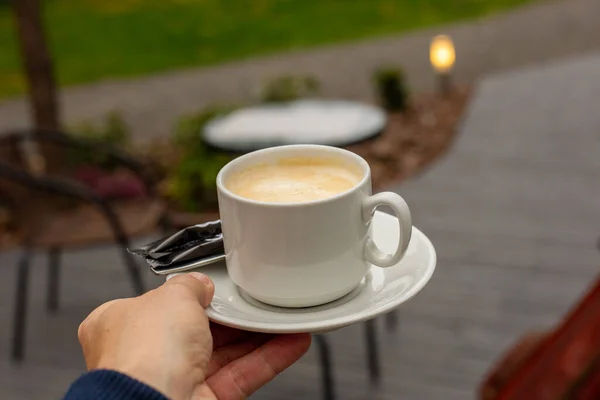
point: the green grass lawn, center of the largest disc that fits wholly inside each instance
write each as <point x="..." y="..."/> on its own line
<point x="96" y="39"/>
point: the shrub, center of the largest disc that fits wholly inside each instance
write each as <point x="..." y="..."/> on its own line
<point x="114" y="131"/>
<point x="392" y="88"/>
<point x="288" y="88"/>
<point x="192" y="179"/>
<point x="97" y="170"/>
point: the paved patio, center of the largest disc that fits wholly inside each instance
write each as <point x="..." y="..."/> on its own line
<point x="512" y="209"/>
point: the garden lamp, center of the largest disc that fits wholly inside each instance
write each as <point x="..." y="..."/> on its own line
<point x="442" y="56"/>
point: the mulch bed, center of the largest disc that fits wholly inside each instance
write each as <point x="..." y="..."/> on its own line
<point x="414" y="139"/>
<point x="410" y="142"/>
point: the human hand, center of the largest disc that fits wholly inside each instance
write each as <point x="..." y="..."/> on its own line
<point x="164" y="339"/>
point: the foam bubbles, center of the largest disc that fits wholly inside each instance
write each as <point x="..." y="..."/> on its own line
<point x="291" y="182"/>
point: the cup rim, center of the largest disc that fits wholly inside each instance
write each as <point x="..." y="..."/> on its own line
<point x="347" y="153"/>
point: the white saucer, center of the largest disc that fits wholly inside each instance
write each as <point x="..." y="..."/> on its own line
<point x="382" y="290"/>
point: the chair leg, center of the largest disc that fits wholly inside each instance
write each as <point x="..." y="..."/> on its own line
<point x="165" y="225"/>
<point x="53" y="279"/>
<point x="372" y="352"/>
<point x="122" y="241"/>
<point x="391" y="321"/>
<point x="133" y="269"/>
<point x="326" y="367"/>
<point x="20" y="312"/>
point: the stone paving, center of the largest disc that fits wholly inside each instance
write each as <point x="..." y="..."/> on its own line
<point x="512" y="210"/>
<point x="543" y="31"/>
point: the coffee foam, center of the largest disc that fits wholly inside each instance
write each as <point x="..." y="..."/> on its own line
<point x="295" y="180"/>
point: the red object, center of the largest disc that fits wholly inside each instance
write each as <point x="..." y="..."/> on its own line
<point x="88" y="175"/>
<point x="563" y="365"/>
<point x="111" y="185"/>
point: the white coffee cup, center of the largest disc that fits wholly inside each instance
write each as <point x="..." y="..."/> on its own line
<point x="309" y="253"/>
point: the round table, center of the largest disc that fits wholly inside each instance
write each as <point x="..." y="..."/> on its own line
<point x="328" y="122"/>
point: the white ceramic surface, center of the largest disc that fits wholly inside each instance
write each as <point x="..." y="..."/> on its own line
<point x="381" y="291"/>
<point x="310" y="253"/>
<point x="329" y="122"/>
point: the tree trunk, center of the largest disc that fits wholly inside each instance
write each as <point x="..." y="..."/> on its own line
<point x="40" y="78"/>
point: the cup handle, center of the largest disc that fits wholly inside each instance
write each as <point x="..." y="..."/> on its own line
<point x="372" y="253"/>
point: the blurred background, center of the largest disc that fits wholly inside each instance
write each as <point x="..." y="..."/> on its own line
<point x="115" y="117"/>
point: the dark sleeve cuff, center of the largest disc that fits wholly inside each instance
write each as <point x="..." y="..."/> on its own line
<point x="110" y="385"/>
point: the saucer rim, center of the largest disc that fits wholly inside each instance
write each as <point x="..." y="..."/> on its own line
<point x="339" y="322"/>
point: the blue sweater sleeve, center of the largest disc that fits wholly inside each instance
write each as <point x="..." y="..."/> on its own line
<point x="110" y="385"/>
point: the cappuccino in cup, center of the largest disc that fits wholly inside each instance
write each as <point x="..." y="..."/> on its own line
<point x="295" y="180"/>
<point x="296" y="224"/>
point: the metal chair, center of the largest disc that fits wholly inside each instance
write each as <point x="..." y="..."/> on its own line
<point x="94" y="221"/>
<point x="371" y="344"/>
<point x="372" y="353"/>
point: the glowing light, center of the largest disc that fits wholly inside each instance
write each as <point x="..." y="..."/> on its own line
<point x="442" y="54"/>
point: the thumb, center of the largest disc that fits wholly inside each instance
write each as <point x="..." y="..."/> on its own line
<point x="195" y="284"/>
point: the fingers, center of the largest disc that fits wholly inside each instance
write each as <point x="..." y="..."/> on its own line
<point x="224" y="335"/>
<point x="227" y="354"/>
<point x="193" y="284"/>
<point x="242" y="377"/>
